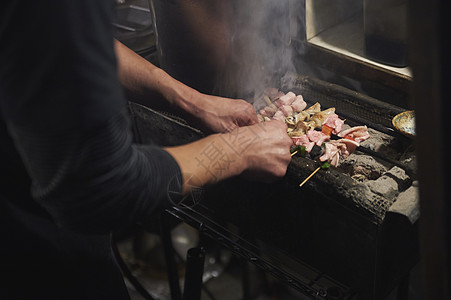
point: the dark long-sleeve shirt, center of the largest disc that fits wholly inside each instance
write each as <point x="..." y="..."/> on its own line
<point x="71" y="173"/>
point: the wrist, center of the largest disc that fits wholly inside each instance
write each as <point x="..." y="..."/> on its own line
<point x="180" y="96"/>
<point x="208" y="160"/>
<point x="226" y="158"/>
<point x="236" y="144"/>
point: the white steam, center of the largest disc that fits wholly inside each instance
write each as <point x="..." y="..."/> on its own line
<point x="261" y="53"/>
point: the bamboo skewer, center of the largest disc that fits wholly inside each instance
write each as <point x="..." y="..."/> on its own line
<point x="294" y="153"/>
<point x="310" y="176"/>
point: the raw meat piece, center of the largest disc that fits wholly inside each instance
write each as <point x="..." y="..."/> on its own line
<point x="321" y="116"/>
<point x="303" y="140"/>
<point x="269" y="110"/>
<point x="317" y="137"/>
<point x="286" y="99"/>
<point x="333" y="121"/>
<point x="346" y="147"/>
<point x="299" y="104"/>
<point x="358" y="133"/>
<point x="338" y="148"/>
<point x="279" y="116"/>
<point x="273" y="93"/>
<point x="331" y="155"/>
<point x="286" y="110"/>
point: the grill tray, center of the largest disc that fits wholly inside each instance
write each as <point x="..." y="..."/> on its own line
<point x="333" y="224"/>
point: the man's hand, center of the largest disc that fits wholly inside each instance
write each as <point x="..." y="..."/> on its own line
<point x="269" y="155"/>
<point x="151" y="85"/>
<point x="262" y="151"/>
<point x="218" y="114"/>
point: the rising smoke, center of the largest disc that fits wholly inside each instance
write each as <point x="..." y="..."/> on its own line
<point x="261" y="53"/>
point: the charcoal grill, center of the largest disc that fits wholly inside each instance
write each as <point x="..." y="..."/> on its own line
<point x="334" y="238"/>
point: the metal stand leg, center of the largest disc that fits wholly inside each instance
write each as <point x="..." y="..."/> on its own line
<point x="169" y="255"/>
<point x="195" y="259"/>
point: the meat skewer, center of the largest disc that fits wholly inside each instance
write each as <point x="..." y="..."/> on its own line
<point x="311" y="126"/>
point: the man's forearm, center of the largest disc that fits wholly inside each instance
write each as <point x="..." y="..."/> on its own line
<point x="207" y="161"/>
<point x="262" y="150"/>
<point x="149" y="84"/>
<point x="153" y="87"/>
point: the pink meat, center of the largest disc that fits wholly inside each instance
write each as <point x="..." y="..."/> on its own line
<point x="331" y="154"/>
<point x="347" y="147"/>
<point x="303" y="140"/>
<point x="286" y="99"/>
<point x="333" y="121"/>
<point x="279" y="116"/>
<point x="317" y="137"/>
<point x="286" y="110"/>
<point x="277" y="96"/>
<point x="273" y="93"/>
<point x="298" y="140"/>
<point x="358" y="133"/>
<point x="269" y="110"/>
<point x="342" y="148"/>
<point x="335" y="159"/>
<point x="299" y="104"/>
<point x="337" y="149"/>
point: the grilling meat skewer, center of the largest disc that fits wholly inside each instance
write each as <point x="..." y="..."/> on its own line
<point x="311" y="126"/>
